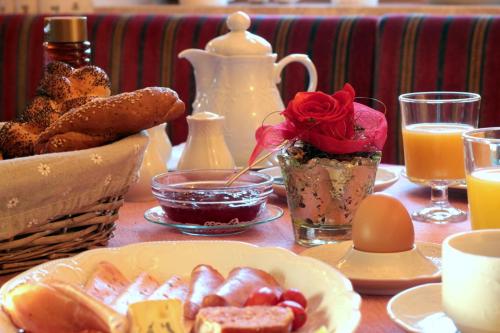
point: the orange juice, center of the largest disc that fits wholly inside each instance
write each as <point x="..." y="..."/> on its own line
<point x="483" y="191"/>
<point x="434" y="151"/>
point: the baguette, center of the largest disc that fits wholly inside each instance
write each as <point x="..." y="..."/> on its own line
<point x="72" y="141"/>
<point x="111" y="118"/>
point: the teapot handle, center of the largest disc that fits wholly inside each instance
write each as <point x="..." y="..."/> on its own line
<point x="304" y="60"/>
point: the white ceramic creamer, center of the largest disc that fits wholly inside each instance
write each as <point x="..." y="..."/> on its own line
<point x="205" y="146"/>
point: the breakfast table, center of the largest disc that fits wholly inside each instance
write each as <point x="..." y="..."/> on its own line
<point x="132" y="228"/>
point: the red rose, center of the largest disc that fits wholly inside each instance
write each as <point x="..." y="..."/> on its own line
<point x="328" y="122"/>
<point x="342" y="130"/>
<point x="332" y="115"/>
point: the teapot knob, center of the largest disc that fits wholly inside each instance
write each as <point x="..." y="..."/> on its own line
<point x="238" y="41"/>
<point x="238" y="21"/>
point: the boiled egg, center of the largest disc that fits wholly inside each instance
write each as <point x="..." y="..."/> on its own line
<point x="382" y="224"/>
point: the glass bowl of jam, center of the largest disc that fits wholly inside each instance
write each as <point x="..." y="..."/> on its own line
<point x="201" y="196"/>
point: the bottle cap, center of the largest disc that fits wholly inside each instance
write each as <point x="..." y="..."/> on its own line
<point x="65" y="29"/>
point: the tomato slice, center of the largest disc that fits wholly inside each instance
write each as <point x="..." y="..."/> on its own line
<point x="262" y="296"/>
<point x="294" y="295"/>
<point x="299" y="314"/>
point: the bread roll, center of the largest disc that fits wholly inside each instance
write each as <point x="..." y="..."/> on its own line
<point x="113" y="117"/>
<point x="18" y="139"/>
<point x="56" y="87"/>
<point x="42" y="111"/>
<point x="73" y="111"/>
<point x="91" y="80"/>
<point x="61" y="82"/>
<point x="58" y="68"/>
<point x="61" y="89"/>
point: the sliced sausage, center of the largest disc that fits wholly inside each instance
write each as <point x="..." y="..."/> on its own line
<point x="241" y="282"/>
<point x="204" y="281"/>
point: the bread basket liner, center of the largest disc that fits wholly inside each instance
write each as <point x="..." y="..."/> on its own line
<point x="36" y="189"/>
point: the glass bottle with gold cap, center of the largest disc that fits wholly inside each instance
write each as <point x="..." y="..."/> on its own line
<point x="66" y="40"/>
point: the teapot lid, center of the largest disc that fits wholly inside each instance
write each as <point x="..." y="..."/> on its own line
<point x="238" y="41"/>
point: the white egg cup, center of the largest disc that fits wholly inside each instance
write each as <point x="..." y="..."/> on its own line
<point x="405" y="265"/>
<point x="382" y="273"/>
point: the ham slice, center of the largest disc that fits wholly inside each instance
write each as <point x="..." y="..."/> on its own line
<point x="241" y="282"/>
<point x="139" y="290"/>
<point x="106" y="283"/>
<point x="175" y="287"/>
<point x="59" y="307"/>
<point x="204" y="281"/>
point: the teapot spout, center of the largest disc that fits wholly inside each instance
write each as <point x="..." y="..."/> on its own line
<point x="203" y="63"/>
<point x="194" y="56"/>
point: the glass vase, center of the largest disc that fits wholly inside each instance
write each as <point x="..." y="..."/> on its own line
<point x="323" y="194"/>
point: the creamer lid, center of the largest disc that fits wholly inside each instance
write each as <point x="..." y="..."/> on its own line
<point x="238" y="41"/>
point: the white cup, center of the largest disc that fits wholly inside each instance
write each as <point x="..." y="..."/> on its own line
<point x="471" y="280"/>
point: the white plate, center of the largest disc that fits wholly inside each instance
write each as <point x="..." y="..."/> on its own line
<point x="386" y="278"/>
<point x="332" y="301"/>
<point x="385" y="177"/>
<point x="419" y="310"/>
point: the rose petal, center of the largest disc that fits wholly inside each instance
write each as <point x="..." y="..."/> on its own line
<point x="270" y="137"/>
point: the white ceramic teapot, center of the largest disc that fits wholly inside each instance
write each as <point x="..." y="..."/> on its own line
<point x="236" y="77"/>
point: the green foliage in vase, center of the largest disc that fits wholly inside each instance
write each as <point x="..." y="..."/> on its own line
<point x="302" y="152"/>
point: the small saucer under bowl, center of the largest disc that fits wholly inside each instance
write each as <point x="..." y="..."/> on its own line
<point x="268" y="214"/>
<point x="420" y="310"/>
<point x="382" y="273"/>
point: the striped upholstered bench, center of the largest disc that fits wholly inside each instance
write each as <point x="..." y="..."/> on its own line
<point x="139" y="51"/>
<point x="426" y="53"/>
<point x="382" y="57"/>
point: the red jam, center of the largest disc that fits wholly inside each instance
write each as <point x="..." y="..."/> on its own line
<point x="212" y="205"/>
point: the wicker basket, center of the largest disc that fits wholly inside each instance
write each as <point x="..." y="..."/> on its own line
<point x="69" y="222"/>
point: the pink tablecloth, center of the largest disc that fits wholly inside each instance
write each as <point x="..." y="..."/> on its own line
<point x="132" y="227"/>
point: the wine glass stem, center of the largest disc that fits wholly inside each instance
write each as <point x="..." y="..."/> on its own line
<point x="439" y="195"/>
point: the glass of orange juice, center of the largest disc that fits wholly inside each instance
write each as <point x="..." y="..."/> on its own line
<point x="432" y="127"/>
<point x="482" y="164"/>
